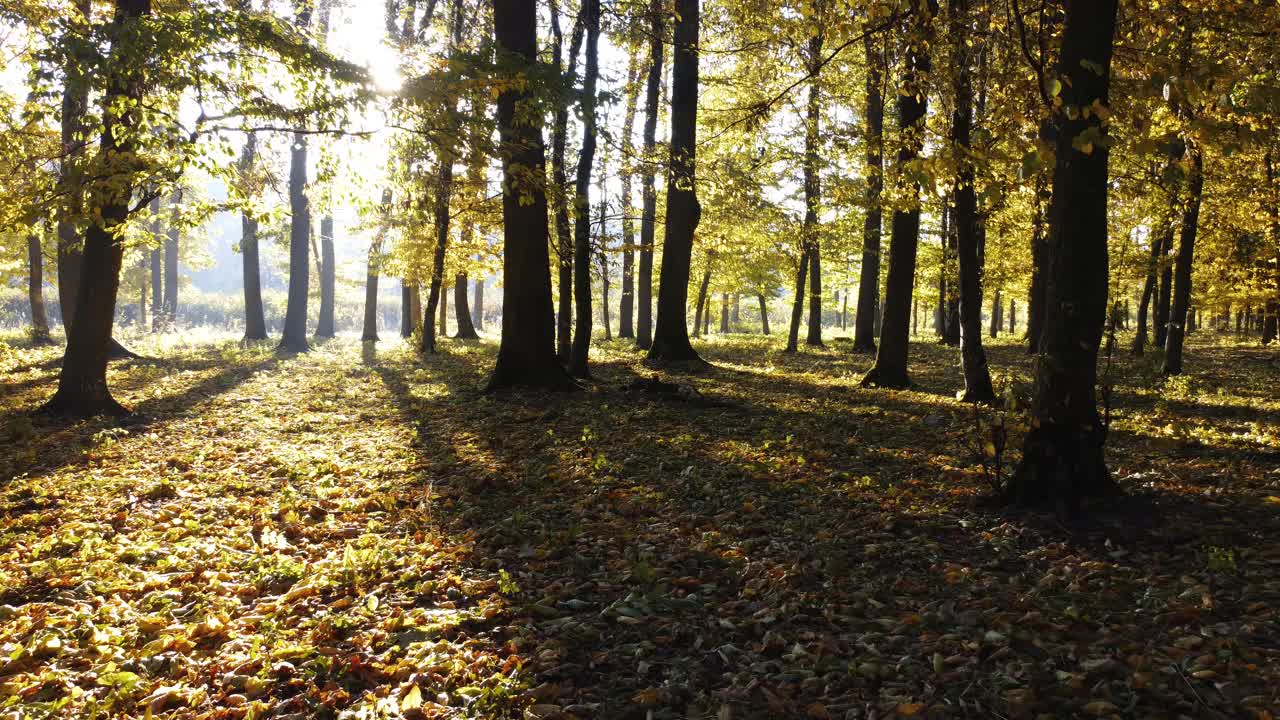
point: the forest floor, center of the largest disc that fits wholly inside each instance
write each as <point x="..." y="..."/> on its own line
<point x="364" y="534"/>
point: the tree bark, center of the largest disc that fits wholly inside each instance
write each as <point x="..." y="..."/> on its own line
<point x="649" y="197"/>
<point x="560" y="182"/>
<point x="1063" y="452"/>
<point x="1039" y="267"/>
<point x="671" y="334"/>
<point x="328" y="279"/>
<point x="1182" y="265"/>
<point x="724" y="313"/>
<point x="890" y="368"/>
<point x="864" y="322"/>
<point x="626" y="167"/>
<point x="702" y="304"/>
<point x="35" y="293"/>
<point x="580" y="351"/>
<point x="764" y="314"/>
<point x="1159" y="248"/>
<point x="797" y="303"/>
<point x="462" y="309"/>
<point x="1271" y="307"/>
<point x="526" y="355"/>
<point x="255" y="323"/>
<point x="997" y="314"/>
<point x="82" y="384"/>
<point x="813" y="192"/>
<point x="478" y="305"/>
<point x="973" y="358"/>
<point x="406" y="309"/>
<point x="171" y="267"/>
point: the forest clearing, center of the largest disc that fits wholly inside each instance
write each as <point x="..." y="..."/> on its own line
<point x="785" y="545"/>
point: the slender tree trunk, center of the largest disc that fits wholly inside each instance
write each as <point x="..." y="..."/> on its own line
<point x="1164" y="294"/>
<point x="82" y="384"/>
<point x="294" y="338"/>
<point x="626" y="168"/>
<point x="724" y="313"/>
<point x="478" y="306"/>
<point x="526" y="355"/>
<point x="890" y="368"/>
<point x="813" y="191"/>
<point x="1013" y="315"/>
<point x="462" y="309"/>
<point x="649" y="212"/>
<point x="1182" y="265"/>
<point x="604" y="284"/>
<point x="968" y="233"/>
<point x="442" y="329"/>
<point x="1271" y="307"/>
<point x="735" y="313"/>
<point x="406" y="309"/>
<point x="35" y="293"/>
<point x="560" y="183"/>
<point x="1039" y="267"/>
<point x="171" y="269"/>
<point x="255" y="322"/>
<point x="797" y="303"/>
<point x="75" y="105"/>
<point x="1063" y="452"/>
<point x="370" y="327"/>
<point x="328" y="279"/>
<point x="142" y="294"/>
<point x="157" y="286"/>
<point x="951" y="323"/>
<point x="864" y="322"/>
<point x="580" y="351"/>
<point x="764" y="314"/>
<point x="701" y="307"/>
<point x="1159" y="247"/>
<point x="997" y="314"/>
<point x="671" y="335"/>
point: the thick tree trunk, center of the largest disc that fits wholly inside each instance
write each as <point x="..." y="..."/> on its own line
<point x="35" y="293"/>
<point x="580" y="352"/>
<point x="294" y="338"/>
<point x="890" y="368"/>
<point x="255" y="323"/>
<point x="649" y="212"/>
<point x="797" y="303"/>
<point x="1063" y="452"/>
<point x="328" y="279"/>
<point x="82" y="384"/>
<point x="526" y="355"/>
<point x="968" y="234"/>
<point x="1182" y="265"/>
<point x="671" y="335"/>
<point x="75" y="105"/>
<point x="764" y="314"/>
<point x="864" y="322"/>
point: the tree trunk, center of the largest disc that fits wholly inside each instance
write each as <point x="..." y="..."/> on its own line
<point x="294" y="338"/>
<point x="369" y="331"/>
<point x="442" y="310"/>
<point x="328" y="279"/>
<point x="724" y="313"/>
<point x="965" y="219"/>
<point x="526" y="355"/>
<point x="75" y="105"/>
<point x="1159" y="247"/>
<point x="997" y="314"/>
<point x="890" y="368"/>
<point x="1063" y="452"/>
<point x="406" y="309"/>
<point x="462" y="309"/>
<point x="951" y="321"/>
<point x="1164" y="292"/>
<point x="171" y="268"/>
<point x="702" y="303"/>
<point x="82" y="384"/>
<point x="255" y="322"/>
<point x="157" y="285"/>
<point x="735" y="311"/>
<point x="477" y="312"/>
<point x="864" y="321"/>
<point x="797" y="303"/>
<point x="1013" y="315"/>
<point x="1039" y="268"/>
<point x="671" y="335"/>
<point x="1271" y="307"/>
<point x="1182" y="265"/>
<point x="579" y="353"/>
<point x="648" y="215"/>
<point x="560" y="182"/>
<point x="626" y="304"/>
<point x="813" y="192"/>
<point x="764" y="314"/>
<point x="35" y="293"/>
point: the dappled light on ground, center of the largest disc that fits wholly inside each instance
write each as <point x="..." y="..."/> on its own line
<point x="360" y="532"/>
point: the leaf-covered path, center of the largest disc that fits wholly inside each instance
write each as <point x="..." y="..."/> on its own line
<point x="360" y="534"/>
